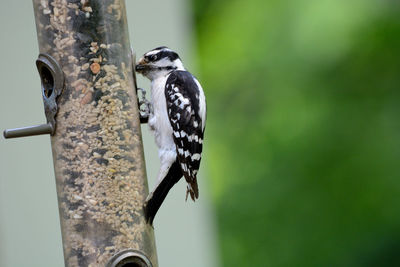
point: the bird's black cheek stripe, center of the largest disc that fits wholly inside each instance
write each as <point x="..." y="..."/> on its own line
<point x="166" y="68"/>
<point x="167" y="53"/>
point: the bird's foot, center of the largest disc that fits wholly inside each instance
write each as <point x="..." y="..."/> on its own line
<point x="144" y="106"/>
<point x="144" y="112"/>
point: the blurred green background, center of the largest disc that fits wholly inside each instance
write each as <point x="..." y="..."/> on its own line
<point x="303" y="133"/>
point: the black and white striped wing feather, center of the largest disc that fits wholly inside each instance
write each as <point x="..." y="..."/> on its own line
<point x="186" y="109"/>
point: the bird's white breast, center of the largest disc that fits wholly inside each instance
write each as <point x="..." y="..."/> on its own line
<point x="159" y="121"/>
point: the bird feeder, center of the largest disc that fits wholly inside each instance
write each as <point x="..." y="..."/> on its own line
<point x="91" y="107"/>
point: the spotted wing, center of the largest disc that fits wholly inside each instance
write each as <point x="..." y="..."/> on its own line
<point x="185" y="101"/>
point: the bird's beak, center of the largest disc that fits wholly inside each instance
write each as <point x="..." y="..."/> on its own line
<point x="142" y="65"/>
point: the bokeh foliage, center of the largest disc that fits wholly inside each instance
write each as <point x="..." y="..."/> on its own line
<point x="303" y="129"/>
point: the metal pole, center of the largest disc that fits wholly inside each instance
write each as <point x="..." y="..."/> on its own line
<point x="97" y="144"/>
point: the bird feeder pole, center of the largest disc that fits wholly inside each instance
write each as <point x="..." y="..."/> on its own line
<point x="89" y="92"/>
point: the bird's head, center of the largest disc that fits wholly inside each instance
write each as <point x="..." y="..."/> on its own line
<point x="158" y="62"/>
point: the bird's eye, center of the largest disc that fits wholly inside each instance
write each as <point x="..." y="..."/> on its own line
<point x="153" y="58"/>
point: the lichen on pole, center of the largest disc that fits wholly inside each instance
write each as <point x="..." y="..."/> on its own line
<point x="97" y="146"/>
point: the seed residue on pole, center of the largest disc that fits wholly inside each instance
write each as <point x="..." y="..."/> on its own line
<point x="97" y="148"/>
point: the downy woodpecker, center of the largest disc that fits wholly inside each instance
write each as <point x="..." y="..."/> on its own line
<point x="177" y="118"/>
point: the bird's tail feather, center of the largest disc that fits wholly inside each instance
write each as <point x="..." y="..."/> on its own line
<point x="192" y="190"/>
<point x="160" y="193"/>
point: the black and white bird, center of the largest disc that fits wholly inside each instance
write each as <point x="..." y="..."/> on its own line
<point x="177" y="118"/>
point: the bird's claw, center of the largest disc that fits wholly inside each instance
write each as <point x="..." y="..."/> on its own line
<point x="144" y="106"/>
<point x="144" y="113"/>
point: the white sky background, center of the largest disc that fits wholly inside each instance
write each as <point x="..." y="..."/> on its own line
<point x="29" y="224"/>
